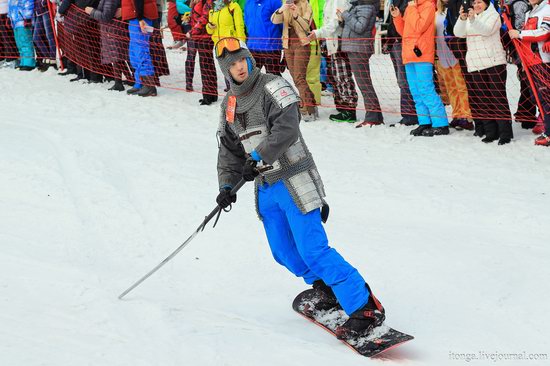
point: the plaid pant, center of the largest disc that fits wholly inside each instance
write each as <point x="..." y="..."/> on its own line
<point x="340" y="76"/>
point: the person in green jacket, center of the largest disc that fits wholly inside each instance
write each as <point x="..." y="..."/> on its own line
<point x="313" y="74"/>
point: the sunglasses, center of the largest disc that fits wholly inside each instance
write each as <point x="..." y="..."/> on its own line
<point x="227" y="45"/>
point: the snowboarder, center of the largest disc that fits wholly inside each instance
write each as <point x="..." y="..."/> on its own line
<point x="260" y="140"/>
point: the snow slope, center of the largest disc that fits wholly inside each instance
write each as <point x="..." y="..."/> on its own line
<point x="97" y="187"/>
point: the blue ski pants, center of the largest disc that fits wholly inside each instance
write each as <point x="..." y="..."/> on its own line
<point x="23" y="39"/>
<point x="299" y="243"/>
<point x="139" y="51"/>
<point x="428" y="104"/>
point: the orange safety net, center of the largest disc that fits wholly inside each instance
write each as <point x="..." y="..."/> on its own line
<point x="373" y="80"/>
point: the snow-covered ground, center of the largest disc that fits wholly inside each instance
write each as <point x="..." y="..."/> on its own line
<point x="97" y="187"/>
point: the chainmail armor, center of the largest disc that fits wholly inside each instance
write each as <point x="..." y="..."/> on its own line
<point x="295" y="167"/>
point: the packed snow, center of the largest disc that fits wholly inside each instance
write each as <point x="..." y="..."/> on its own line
<point x="97" y="187"/>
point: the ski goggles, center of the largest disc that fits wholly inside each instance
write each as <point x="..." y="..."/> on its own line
<point x="227" y="45"/>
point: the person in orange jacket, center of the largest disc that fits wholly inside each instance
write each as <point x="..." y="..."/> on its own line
<point x="417" y="27"/>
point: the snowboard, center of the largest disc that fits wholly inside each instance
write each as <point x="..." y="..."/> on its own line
<point x="380" y="339"/>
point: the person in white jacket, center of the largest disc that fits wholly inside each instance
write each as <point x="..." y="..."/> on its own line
<point x="338" y="68"/>
<point x="486" y="78"/>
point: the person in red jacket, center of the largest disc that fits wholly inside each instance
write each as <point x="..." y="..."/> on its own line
<point x="204" y="45"/>
<point x="140" y="15"/>
<point x="536" y="34"/>
<point x="179" y="38"/>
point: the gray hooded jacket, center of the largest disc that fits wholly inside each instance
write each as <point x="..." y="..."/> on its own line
<point x="359" y="21"/>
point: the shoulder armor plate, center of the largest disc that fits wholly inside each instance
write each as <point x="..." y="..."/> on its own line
<point x="282" y="92"/>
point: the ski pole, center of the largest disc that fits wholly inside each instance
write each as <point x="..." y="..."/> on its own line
<point x="216" y="211"/>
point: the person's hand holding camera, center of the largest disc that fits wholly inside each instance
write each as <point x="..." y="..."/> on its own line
<point x="463" y="15"/>
<point x="395" y="12"/>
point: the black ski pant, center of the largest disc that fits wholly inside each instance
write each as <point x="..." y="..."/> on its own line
<point x="489" y="102"/>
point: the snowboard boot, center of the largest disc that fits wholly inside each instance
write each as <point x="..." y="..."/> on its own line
<point x="362" y="321"/>
<point x="420" y="129"/>
<point x="319" y="298"/>
<point x="327" y="299"/>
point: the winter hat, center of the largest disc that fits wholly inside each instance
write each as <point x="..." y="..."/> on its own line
<point x="487" y="2"/>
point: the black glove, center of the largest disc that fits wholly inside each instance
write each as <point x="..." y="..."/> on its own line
<point x="225" y="198"/>
<point x="249" y="169"/>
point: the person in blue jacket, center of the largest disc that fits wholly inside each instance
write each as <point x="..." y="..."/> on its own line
<point x="264" y="37"/>
<point x="20" y="12"/>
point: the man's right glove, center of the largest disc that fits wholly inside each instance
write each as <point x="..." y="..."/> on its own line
<point x="249" y="169"/>
<point x="225" y="198"/>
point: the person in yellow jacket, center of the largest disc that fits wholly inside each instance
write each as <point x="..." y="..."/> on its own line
<point x="225" y="20"/>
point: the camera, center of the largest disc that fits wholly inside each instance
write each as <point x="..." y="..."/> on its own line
<point x="417" y="51"/>
<point x="466" y="5"/>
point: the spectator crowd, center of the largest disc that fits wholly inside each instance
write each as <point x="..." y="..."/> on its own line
<point x="443" y="52"/>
